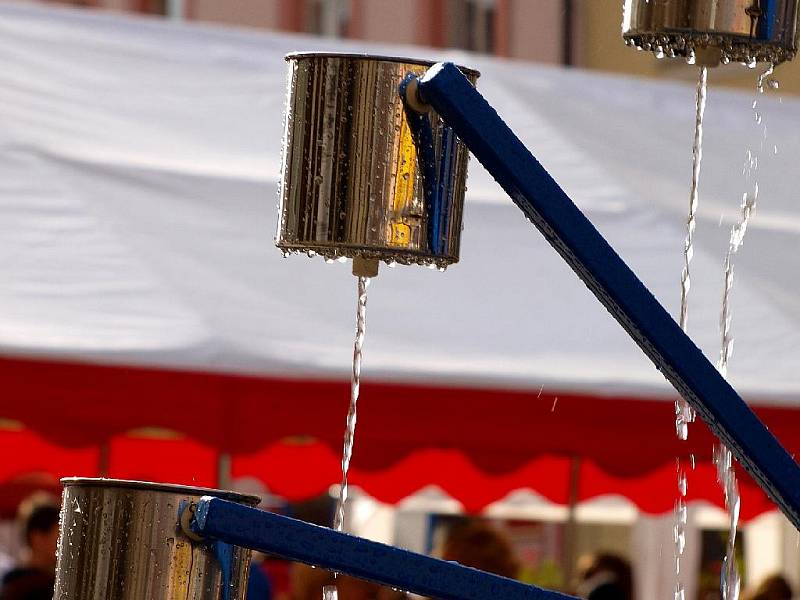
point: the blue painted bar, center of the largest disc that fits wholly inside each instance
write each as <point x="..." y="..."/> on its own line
<point x="769" y="20"/>
<point x="422" y="134"/>
<point x="322" y="547"/>
<point x="447" y="161"/>
<point x="574" y="237"/>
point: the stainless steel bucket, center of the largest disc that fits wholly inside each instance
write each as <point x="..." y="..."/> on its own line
<point x="123" y="540"/>
<point x="746" y="31"/>
<point x="352" y="182"/>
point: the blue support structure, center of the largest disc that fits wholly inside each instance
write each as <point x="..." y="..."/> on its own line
<point x="299" y="541"/>
<point x="574" y="237"/>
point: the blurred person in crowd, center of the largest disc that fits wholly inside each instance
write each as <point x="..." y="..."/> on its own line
<point x="605" y="576"/>
<point x="774" y="587"/>
<point x="6" y="564"/>
<point x="479" y="545"/>
<point x="306" y="583"/>
<point x="34" y="578"/>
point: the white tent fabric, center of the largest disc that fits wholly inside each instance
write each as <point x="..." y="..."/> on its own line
<point x="139" y="162"/>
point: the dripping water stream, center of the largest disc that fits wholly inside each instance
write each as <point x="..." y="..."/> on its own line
<point x="684" y="414"/>
<point x="352" y="413"/>
<point x="329" y="592"/>
<point x="730" y="582"/>
<point x="697" y="159"/>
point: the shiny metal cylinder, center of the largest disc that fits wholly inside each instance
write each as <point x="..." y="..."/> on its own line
<point x="746" y="31"/>
<point x="123" y="540"/>
<point x="352" y="183"/>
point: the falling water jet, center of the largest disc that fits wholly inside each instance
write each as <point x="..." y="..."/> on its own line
<point x="697" y="159"/>
<point x="352" y="412"/>
<point x="684" y="414"/>
<point x="730" y="582"/>
<point x="364" y="270"/>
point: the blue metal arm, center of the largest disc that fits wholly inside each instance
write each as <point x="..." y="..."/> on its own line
<point x="322" y="547"/>
<point x="435" y="170"/>
<point x="592" y="258"/>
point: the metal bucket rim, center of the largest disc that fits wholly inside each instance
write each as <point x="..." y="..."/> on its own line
<point x="174" y="488"/>
<point x="377" y="57"/>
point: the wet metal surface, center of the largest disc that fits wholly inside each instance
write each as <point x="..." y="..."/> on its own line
<point x="352" y="183"/>
<point x="123" y="540"/>
<point x="746" y="31"/>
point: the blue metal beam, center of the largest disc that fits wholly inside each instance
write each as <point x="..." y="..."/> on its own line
<point x="574" y="237"/>
<point x="322" y="547"/>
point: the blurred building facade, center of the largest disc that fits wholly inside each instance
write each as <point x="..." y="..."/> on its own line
<point x="582" y="33"/>
<point x="538" y="30"/>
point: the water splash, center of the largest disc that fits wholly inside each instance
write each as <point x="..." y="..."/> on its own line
<point x="766" y="77"/>
<point x="352" y="413"/>
<point x="738" y="231"/>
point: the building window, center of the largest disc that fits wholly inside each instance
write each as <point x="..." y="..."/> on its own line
<point x="470" y="25"/>
<point x="327" y="17"/>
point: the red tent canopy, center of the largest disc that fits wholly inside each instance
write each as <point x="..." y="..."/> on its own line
<point x="477" y="444"/>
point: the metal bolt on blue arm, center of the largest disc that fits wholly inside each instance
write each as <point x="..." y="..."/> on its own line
<point x="574" y="237"/>
<point x="322" y="547"/>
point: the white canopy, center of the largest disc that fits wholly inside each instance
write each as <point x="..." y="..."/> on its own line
<point x="139" y="162"/>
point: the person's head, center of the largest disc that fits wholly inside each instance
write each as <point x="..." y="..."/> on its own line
<point x="774" y="587"/>
<point x="605" y="576"/>
<point x="40" y="530"/>
<point x="479" y="545"/>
